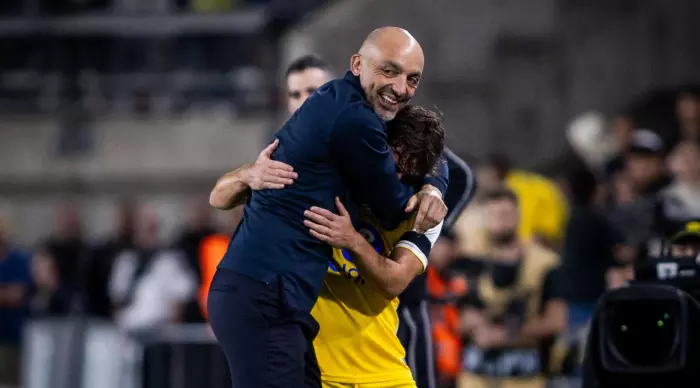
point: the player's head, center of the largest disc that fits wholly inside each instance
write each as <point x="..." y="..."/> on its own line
<point x="390" y="65"/>
<point x="416" y="137"/>
<point x="304" y="75"/>
<point x="502" y="215"/>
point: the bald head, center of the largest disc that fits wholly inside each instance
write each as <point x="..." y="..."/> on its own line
<point x="389" y="64"/>
<point x="390" y="39"/>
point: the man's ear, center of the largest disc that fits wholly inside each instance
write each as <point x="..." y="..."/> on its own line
<point x="356" y="64"/>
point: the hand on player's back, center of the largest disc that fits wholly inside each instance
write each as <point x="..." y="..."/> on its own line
<point x="431" y="209"/>
<point x="331" y="228"/>
<point x="269" y="174"/>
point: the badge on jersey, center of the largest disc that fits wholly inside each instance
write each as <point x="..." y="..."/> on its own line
<point x="372" y="235"/>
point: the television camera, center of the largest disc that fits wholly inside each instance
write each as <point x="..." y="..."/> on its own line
<point x="648" y="333"/>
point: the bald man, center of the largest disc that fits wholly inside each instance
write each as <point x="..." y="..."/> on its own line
<point x="262" y="294"/>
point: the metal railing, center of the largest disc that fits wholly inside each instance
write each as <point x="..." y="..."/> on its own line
<point x="77" y="353"/>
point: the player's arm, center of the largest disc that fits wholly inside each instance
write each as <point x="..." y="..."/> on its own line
<point x="358" y="144"/>
<point x="390" y="275"/>
<point x="235" y="187"/>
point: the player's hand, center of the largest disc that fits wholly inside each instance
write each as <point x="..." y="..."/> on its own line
<point x="331" y="228"/>
<point x="431" y="209"/>
<point x="267" y="173"/>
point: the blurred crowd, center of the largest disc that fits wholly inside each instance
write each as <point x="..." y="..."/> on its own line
<point x="629" y="187"/>
<point x="133" y="278"/>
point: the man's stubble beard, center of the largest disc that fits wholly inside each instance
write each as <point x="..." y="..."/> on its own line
<point x="503" y="239"/>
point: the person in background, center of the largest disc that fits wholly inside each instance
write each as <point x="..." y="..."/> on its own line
<point x="197" y="229"/>
<point x="15" y="285"/>
<point x="688" y="113"/>
<point x="303" y="76"/>
<point x="49" y="297"/>
<point x="149" y="285"/>
<point x="686" y="243"/>
<point x="514" y="308"/>
<point x="621" y="131"/>
<point x="680" y="201"/>
<point x="70" y="252"/>
<point x="644" y="162"/>
<point x="590" y="245"/>
<point x="102" y="258"/>
<point x="645" y="172"/>
<point x="542" y="206"/>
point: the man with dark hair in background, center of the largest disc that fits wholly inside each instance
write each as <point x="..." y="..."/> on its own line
<point x="303" y="77"/>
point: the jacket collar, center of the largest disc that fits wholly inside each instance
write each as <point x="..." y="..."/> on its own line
<point x="355" y="82"/>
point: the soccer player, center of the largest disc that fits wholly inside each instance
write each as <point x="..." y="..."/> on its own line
<point x="265" y="287"/>
<point x="370" y="266"/>
<point x="357" y="345"/>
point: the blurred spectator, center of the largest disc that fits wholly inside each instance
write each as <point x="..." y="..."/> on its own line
<point x="149" y="285"/>
<point x="644" y="162"/>
<point x="589" y="248"/>
<point x="680" y="201"/>
<point x="543" y="207"/>
<point x="688" y="114"/>
<point x="198" y="227"/>
<point x="102" y="259"/>
<point x="68" y="250"/>
<point x="590" y="140"/>
<point x="686" y="243"/>
<point x="621" y="132"/>
<point x="189" y="243"/>
<point x="15" y="283"/>
<point x="514" y="309"/>
<point x="49" y="298"/>
<point x="645" y="172"/>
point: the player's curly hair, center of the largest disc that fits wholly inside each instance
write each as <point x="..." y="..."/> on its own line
<point x="417" y="136"/>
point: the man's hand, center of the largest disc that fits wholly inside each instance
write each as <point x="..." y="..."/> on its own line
<point x="334" y="229"/>
<point x="267" y="173"/>
<point x="489" y="336"/>
<point x="431" y="209"/>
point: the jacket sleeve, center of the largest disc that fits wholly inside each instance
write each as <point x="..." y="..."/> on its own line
<point x="359" y="146"/>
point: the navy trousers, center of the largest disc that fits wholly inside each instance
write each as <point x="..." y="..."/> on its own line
<point x="266" y="343"/>
<point x="416" y="337"/>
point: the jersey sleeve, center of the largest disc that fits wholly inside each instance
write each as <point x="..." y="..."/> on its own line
<point x="420" y="244"/>
<point x="358" y="145"/>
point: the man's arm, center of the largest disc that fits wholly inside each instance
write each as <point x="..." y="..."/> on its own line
<point x="235" y="187"/>
<point x="231" y="190"/>
<point x="14" y="292"/>
<point x="358" y="144"/>
<point x="12" y="295"/>
<point x="390" y="275"/>
<point x="550" y="323"/>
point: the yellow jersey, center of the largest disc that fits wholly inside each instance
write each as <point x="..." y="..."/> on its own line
<point x="357" y="341"/>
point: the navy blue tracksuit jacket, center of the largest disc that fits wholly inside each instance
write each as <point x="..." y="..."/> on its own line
<point x="337" y="145"/>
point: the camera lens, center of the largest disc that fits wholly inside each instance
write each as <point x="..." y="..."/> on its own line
<point x="643" y="333"/>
